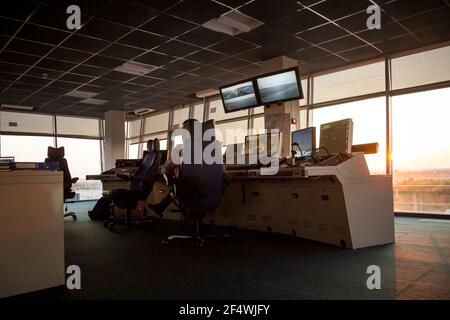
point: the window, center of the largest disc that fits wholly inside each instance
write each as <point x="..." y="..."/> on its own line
<point x="421" y="68"/>
<point x="302" y="102"/>
<point x="235" y="125"/>
<point x="349" y="83"/>
<point x="258" y="124"/>
<point x="179" y="115"/>
<point x="78" y="126"/>
<point x="217" y="112"/>
<point x="421" y="154"/>
<point x="156" y="123"/>
<point x="26" y="122"/>
<point x="133" y="151"/>
<point x="83" y="158"/>
<point x="198" y="111"/>
<point x="369" y="125"/>
<point x="25" y="148"/>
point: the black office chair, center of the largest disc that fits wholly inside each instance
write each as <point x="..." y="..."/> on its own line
<point x="57" y="155"/>
<point x="141" y="184"/>
<point x="198" y="187"/>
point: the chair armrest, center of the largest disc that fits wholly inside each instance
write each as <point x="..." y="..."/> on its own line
<point x="123" y="176"/>
<point x="74" y="180"/>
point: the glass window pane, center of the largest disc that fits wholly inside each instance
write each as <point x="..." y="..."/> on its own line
<point x="421" y="153"/>
<point x="302" y="102"/>
<point x="421" y="68"/>
<point x="134" y="128"/>
<point x="26" y="122"/>
<point x="77" y="126"/>
<point x="179" y="115"/>
<point x="133" y="151"/>
<point x="258" y="124"/>
<point x="349" y="83"/>
<point x="303" y="118"/>
<point x="369" y="125"/>
<point x="235" y="125"/>
<point x="258" y="110"/>
<point x="156" y="123"/>
<point x="217" y="112"/>
<point x="83" y="158"/>
<point x="25" y="148"/>
<point x="198" y="111"/>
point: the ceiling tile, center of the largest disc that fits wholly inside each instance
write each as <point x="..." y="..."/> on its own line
<point x="176" y="48"/>
<point x="104" y="62"/>
<point x="198" y="11"/>
<point x="9" y="27"/>
<point x="122" y="51"/>
<point x="29" y="47"/>
<point x="205" y="56"/>
<point x="84" y="43"/>
<point x="142" y="39"/>
<point x="136" y="14"/>
<point x="202" y="37"/>
<point x="426" y="20"/>
<point x="41" y="34"/>
<point x="168" y="26"/>
<point x="154" y="59"/>
<point x="69" y="55"/>
<point x="341" y="8"/>
<point x="403" y="8"/>
<point x="361" y="53"/>
<point x="323" y="33"/>
<point x="299" y="21"/>
<point x="343" y="43"/>
<point x="103" y="29"/>
<point x="269" y="10"/>
<point x="389" y="30"/>
<point x="232" y="46"/>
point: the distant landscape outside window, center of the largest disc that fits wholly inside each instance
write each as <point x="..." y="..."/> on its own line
<point x="83" y="158"/>
<point x="369" y="125"/>
<point x="421" y="152"/>
<point x="25" y="148"/>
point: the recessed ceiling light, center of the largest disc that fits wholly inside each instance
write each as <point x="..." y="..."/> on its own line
<point x="81" y="94"/>
<point x="142" y="111"/>
<point x="233" y="23"/>
<point x="93" y="101"/>
<point x="207" y="93"/>
<point x="16" y="107"/>
<point x="135" y="68"/>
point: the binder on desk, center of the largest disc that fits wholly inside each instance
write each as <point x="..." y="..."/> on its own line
<point x="5" y="163"/>
<point x="28" y="166"/>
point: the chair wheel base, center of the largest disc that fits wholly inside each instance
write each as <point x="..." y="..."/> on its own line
<point x="198" y="242"/>
<point x="71" y="214"/>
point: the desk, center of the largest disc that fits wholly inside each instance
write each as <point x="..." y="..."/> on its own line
<point x="31" y="231"/>
<point x="341" y="205"/>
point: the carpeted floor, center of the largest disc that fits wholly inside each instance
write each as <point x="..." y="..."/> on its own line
<point x="252" y="265"/>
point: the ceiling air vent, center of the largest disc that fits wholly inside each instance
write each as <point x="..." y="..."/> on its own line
<point x="135" y="68"/>
<point x="233" y="23"/>
<point x="141" y="112"/>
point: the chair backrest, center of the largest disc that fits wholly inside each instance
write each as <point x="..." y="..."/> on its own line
<point x="149" y="169"/>
<point x="213" y="173"/>
<point x="57" y="155"/>
<point x="200" y="184"/>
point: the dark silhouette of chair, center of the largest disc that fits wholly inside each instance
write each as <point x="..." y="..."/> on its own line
<point x="141" y="184"/>
<point x="57" y="155"/>
<point x="198" y="186"/>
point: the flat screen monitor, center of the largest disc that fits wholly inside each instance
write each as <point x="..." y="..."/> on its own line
<point x="336" y="137"/>
<point x="239" y="96"/>
<point x="304" y="142"/>
<point x="263" y="144"/>
<point x="281" y="86"/>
